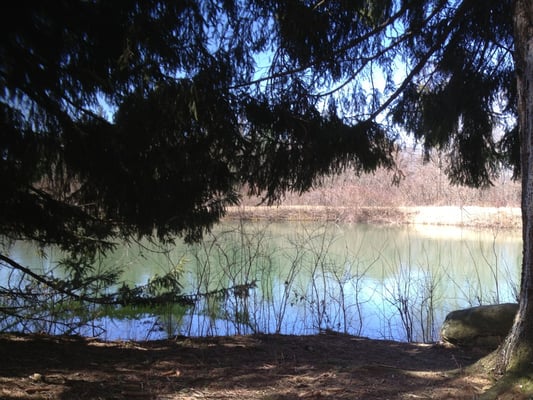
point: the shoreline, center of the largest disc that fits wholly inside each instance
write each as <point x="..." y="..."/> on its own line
<point x="465" y="216"/>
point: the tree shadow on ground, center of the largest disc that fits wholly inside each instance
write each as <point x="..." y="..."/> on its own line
<point x="276" y="367"/>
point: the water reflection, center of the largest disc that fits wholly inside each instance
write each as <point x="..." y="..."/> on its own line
<point x="375" y="281"/>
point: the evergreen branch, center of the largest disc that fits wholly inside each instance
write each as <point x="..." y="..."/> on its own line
<point x="57" y="285"/>
<point x="421" y="63"/>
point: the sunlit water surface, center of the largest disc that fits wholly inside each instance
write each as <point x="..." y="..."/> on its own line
<point x="383" y="282"/>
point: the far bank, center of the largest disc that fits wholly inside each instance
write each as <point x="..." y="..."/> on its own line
<point x="467" y="216"/>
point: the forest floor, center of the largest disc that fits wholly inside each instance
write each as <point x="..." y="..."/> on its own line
<point x="266" y="367"/>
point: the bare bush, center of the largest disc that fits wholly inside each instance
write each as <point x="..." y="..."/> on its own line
<point x="424" y="183"/>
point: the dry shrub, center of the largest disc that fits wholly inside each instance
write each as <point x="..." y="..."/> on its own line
<point x="424" y="184"/>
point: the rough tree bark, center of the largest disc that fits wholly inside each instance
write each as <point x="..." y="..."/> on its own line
<point x="516" y="353"/>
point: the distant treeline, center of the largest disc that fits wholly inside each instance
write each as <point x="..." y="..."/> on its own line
<point x="423" y="183"/>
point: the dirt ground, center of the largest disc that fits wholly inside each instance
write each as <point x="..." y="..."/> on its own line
<point x="267" y="367"/>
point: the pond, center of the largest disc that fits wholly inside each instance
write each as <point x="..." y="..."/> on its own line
<point x="382" y="282"/>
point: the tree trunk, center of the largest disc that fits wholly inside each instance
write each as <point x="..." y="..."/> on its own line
<point x="516" y="353"/>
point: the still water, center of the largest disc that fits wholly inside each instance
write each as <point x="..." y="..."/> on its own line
<point x="382" y="282"/>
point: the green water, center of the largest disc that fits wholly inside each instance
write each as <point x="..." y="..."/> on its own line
<point x="393" y="282"/>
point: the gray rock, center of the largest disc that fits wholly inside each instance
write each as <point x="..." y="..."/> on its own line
<point x="484" y="326"/>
